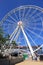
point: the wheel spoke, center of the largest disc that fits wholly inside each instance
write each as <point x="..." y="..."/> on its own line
<point x="23" y="13"/>
<point x="27" y="12"/>
<point x="33" y="13"/>
<point x="34" y="33"/>
<point x="38" y="14"/>
<point x="10" y="21"/>
<point x="16" y="15"/>
<point x="33" y="27"/>
<point x="31" y="39"/>
<point x="20" y="14"/>
<point x="13" y="18"/>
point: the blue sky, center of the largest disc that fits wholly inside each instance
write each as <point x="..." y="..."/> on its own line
<point x="7" y="5"/>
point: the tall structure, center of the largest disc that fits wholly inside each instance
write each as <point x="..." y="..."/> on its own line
<point x="29" y="20"/>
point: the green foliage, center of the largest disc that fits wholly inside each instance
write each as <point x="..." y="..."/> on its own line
<point x="2" y="39"/>
<point x="1" y="31"/>
<point x="6" y="38"/>
<point x="14" y="43"/>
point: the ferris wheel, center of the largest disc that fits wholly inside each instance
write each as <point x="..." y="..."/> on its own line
<point x="25" y="23"/>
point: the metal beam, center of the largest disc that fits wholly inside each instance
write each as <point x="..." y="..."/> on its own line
<point x="30" y="47"/>
<point x="16" y="37"/>
<point x="14" y="32"/>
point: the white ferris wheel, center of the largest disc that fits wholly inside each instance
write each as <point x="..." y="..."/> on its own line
<point x="25" y="22"/>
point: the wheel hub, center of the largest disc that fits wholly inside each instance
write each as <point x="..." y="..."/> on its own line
<point x="20" y="23"/>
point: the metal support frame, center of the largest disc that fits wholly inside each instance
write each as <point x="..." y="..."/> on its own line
<point x="16" y="37"/>
<point x="13" y="34"/>
<point x="12" y="37"/>
<point x="30" y="47"/>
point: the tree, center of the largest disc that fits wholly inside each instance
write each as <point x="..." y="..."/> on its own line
<point x="2" y="39"/>
<point x="1" y="34"/>
<point x="14" y="43"/>
<point x="1" y="30"/>
<point x="6" y="38"/>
